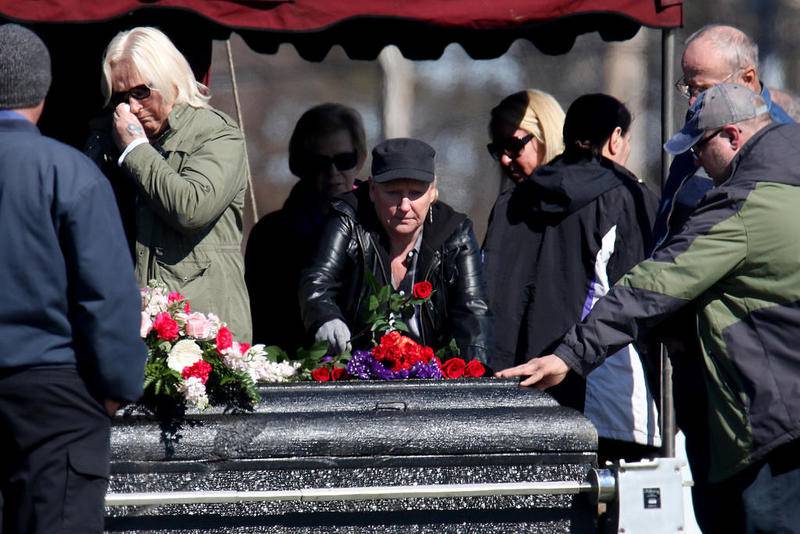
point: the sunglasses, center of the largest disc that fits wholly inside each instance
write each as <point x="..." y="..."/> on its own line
<point x="140" y="92"/>
<point x="510" y="146"/>
<point x="343" y="162"/>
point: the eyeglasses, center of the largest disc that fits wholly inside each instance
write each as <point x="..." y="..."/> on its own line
<point x="510" y="146"/>
<point x="343" y="161"/>
<point x="688" y="91"/>
<point x="698" y="147"/>
<point x="140" y="92"/>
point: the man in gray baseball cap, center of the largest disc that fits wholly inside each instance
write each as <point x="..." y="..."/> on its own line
<point x="718" y="125"/>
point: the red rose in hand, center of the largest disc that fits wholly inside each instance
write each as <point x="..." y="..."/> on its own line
<point x="338" y="373"/>
<point x="166" y="327"/>
<point x="453" y="368"/>
<point x="474" y="369"/>
<point x="422" y="290"/>
<point x="224" y="339"/>
<point x="321" y="374"/>
<point x="201" y="369"/>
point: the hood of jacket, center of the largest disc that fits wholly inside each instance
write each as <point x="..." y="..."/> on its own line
<point x="563" y="187"/>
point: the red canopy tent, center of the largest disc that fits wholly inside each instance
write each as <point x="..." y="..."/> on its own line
<point x="77" y="31"/>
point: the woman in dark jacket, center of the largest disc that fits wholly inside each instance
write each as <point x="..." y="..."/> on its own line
<point x="557" y="244"/>
<point x="326" y="151"/>
<point x="395" y="229"/>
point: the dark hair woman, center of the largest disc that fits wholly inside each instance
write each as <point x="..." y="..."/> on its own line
<point x="565" y="235"/>
<point x="326" y="151"/>
<point x="396" y="229"/>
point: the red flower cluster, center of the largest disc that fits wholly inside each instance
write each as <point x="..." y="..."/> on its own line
<point x="201" y="369"/>
<point x="224" y="339"/>
<point x="324" y="374"/>
<point x="458" y="368"/>
<point x="397" y="351"/>
<point x="166" y="327"/>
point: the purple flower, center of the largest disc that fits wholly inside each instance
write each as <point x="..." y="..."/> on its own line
<point x="364" y="366"/>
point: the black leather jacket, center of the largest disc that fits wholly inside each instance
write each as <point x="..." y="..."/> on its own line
<point x="334" y="288"/>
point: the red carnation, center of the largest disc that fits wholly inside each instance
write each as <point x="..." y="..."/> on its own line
<point x="201" y="369"/>
<point x="186" y="307"/>
<point x="474" y="369"/>
<point x="166" y="327"/>
<point x="175" y="296"/>
<point x="244" y="347"/>
<point x="321" y="374"/>
<point x="224" y="339"/>
<point x="338" y="373"/>
<point x="453" y="368"/>
<point x="422" y="290"/>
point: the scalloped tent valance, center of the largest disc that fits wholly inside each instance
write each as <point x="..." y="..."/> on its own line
<point x="420" y="28"/>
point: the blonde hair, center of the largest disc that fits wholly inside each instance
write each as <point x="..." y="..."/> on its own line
<point x="537" y="113"/>
<point x="158" y="62"/>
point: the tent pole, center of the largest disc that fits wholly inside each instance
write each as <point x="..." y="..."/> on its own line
<point x="240" y="119"/>
<point x="667" y="119"/>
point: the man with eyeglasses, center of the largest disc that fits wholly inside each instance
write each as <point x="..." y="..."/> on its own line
<point x="736" y="264"/>
<point x="714" y="54"/>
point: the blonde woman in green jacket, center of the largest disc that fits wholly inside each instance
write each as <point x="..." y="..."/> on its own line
<point x="187" y="163"/>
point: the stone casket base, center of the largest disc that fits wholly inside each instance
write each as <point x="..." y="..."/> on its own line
<point x="360" y="434"/>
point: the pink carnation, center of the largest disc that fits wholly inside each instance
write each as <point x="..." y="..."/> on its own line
<point x="198" y="326"/>
<point x="174" y="296"/>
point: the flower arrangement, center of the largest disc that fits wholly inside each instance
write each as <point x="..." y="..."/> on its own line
<point x="193" y="361"/>
<point x="394" y="355"/>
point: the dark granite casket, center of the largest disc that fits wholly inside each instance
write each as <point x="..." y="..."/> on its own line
<point x="363" y="434"/>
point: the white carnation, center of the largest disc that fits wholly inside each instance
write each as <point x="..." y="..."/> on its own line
<point x="194" y="391"/>
<point x="184" y="354"/>
<point x="255" y="363"/>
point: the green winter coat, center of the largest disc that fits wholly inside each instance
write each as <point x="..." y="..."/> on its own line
<point x="736" y="261"/>
<point x="191" y="183"/>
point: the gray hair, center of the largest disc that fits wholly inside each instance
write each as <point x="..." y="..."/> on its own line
<point x="732" y="44"/>
<point x="158" y="62"/>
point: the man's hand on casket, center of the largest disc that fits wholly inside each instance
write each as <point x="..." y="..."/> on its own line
<point x="336" y="333"/>
<point x="542" y="372"/>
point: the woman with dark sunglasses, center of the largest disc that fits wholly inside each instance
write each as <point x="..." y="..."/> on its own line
<point x="326" y="152"/>
<point x="566" y="234"/>
<point x="179" y="170"/>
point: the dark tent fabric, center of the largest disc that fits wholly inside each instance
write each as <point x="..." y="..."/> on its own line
<point x="420" y="28"/>
<point x="77" y="31"/>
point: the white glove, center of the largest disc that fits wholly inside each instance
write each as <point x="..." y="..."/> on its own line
<point x="336" y="333"/>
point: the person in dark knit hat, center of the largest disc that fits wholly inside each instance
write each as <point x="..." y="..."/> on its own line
<point x="70" y="350"/>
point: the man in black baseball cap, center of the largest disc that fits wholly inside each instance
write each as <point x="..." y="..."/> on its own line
<point x="403" y="158"/>
<point x="395" y="229"/>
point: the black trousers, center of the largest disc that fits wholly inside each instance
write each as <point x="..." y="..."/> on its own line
<point x="764" y="498"/>
<point x="54" y="464"/>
